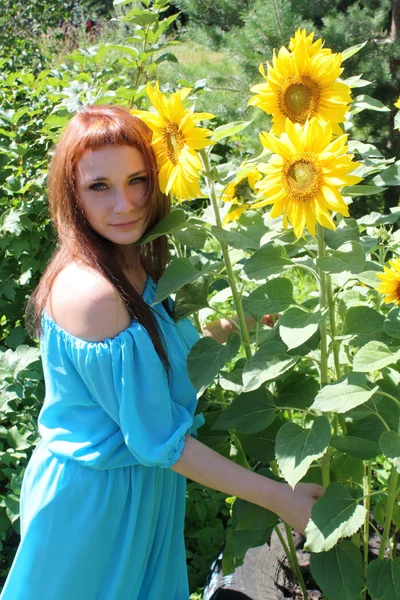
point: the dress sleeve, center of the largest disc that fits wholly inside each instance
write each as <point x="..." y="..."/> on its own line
<point x="127" y="378"/>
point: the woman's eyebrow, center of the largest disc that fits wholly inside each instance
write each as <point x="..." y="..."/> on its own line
<point x="102" y="178"/>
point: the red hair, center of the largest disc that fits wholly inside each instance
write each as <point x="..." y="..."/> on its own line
<point x="90" y="129"/>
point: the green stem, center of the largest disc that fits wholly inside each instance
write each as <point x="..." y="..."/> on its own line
<point x="332" y="320"/>
<point x="325" y="468"/>
<point x="295" y="562"/>
<point x="367" y="501"/>
<point x="389" y="510"/>
<point x="227" y="260"/>
<point x="323" y="304"/>
<point x="389" y="396"/>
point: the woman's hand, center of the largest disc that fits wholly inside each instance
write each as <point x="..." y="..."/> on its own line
<point x="294" y="505"/>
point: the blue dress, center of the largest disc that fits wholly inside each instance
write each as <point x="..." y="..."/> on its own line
<point x="102" y="514"/>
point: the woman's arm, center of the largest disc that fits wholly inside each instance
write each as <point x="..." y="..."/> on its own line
<point x="221" y="328"/>
<point x="205" y="466"/>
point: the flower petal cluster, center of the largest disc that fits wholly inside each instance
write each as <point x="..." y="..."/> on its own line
<point x="304" y="175"/>
<point x="175" y="140"/>
<point x="240" y="193"/>
<point x="301" y="84"/>
<point x="390" y="286"/>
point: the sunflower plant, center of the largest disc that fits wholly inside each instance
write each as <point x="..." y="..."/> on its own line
<point x="314" y="397"/>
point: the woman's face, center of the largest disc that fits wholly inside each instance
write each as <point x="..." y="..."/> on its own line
<point x="111" y="184"/>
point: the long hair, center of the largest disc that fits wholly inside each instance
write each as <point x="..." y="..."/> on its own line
<point x="90" y="129"/>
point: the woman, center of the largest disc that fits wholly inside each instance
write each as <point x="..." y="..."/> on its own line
<point x="103" y="496"/>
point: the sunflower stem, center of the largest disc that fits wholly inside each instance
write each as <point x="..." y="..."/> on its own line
<point x="389" y="510"/>
<point x="367" y="500"/>
<point x="295" y="562"/>
<point x="225" y="253"/>
<point x="332" y="321"/>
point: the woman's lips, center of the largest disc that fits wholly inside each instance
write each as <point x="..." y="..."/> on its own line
<point x="126" y="225"/>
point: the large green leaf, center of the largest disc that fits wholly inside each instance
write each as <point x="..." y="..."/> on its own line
<point x="297" y="448"/>
<point x="268" y="260"/>
<point x="347" y="467"/>
<point x="13" y="362"/>
<point x="338" y="572"/>
<point x="248" y="413"/>
<point x="191" y="298"/>
<point x="350" y="52"/>
<point x="374" y="356"/>
<point x="363" y="320"/>
<point x="174" y="221"/>
<point x="343" y="395"/>
<point x="336" y="514"/>
<point x="390" y="176"/>
<point x="346" y="231"/>
<point x="261" y="445"/>
<point x="252" y="526"/>
<point x="207" y="358"/>
<point x="178" y="273"/>
<point x="389" y="443"/>
<point x="269" y="362"/>
<point x="383" y="579"/>
<point x="235" y="239"/>
<point x="273" y="297"/>
<point x="297" y="391"/>
<point x="364" y="101"/>
<point x="391" y="325"/>
<point x="362" y="438"/>
<point x="297" y="326"/>
<point x="228" y="129"/>
<point x="348" y="257"/>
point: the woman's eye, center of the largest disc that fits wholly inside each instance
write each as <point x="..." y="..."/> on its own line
<point x="96" y="187"/>
<point x="141" y="179"/>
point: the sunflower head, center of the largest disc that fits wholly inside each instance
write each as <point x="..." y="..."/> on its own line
<point x="175" y="140"/>
<point x="240" y="192"/>
<point x="301" y="36"/>
<point x="390" y="282"/>
<point x="304" y="175"/>
<point x="301" y="84"/>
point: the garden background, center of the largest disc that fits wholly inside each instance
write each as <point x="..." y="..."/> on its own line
<point x="72" y="53"/>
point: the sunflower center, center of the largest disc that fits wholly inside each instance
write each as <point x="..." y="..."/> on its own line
<point x="301" y="177"/>
<point x="173" y="141"/>
<point x="243" y="191"/>
<point x="298" y="98"/>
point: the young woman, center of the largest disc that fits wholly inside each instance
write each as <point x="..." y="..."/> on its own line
<point x="103" y="496"/>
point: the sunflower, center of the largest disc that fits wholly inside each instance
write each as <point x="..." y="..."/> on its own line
<point x="302" y="84"/>
<point x="397" y="104"/>
<point x="390" y="285"/>
<point x="175" y="141"/>
<point x="304" y="175"/>
<point x="239" y="192"/>
<point x="312" y="47"/>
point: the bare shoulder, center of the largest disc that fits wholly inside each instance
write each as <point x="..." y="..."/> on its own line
<point x="85" y="304"/>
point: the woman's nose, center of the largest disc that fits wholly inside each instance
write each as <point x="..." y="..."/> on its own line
<point x="126" y="199"/>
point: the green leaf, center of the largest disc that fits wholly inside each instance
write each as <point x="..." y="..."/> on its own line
<point x="336" y="514"/>
<point x="269" y="362"/>
<point x="343" y="395"/>
<point x="383" y="579"/>
<point x="349" y="257"/>
<point x="347" y="467"/>
<point x="13" y="362"/>
<point x="396" y="124"/>
<point x="229" y="129"/>
<point x="297" y="448"/>
<point x="248" y="413"/>
<point x="390" y="176"/>
<point x="374" y="356"/>
<point x="268" y="260"/>
<point x="297" y="391"/>
<point x="338" y="572"/>
<point x="364" y="102"/>
<point x="273" y="297"/>
<point x="391" y="325"/>
<point x="234" y="238"/>
<point x="18" y="439"/>
<point x="350" y="51"/>
<point x="191" y="298"/>
<point x="362" y="438"/>
<point x="168" y="56"/>
<point x="261" y="445"/>
<point x="297" y="326"/>
<point x="174" y="221"/>
<point x="207" y="358"/>
<point x="363" y="320"/>
<point x="12" y="507"/>
<point x="346" y="231"/>
<point x="178" y="273"/>
<point x="193" y="237"/>
<point x="389" y="443"/>
<point x="253" y="517"/>
<point x="361" y="190"/>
